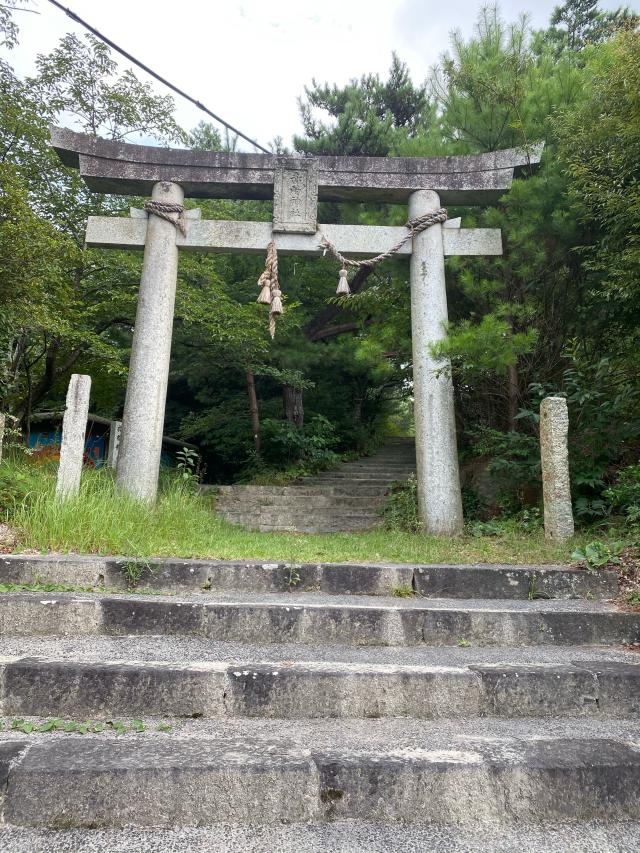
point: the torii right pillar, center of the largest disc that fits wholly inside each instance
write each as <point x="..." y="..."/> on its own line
<point x="439" y="495"/>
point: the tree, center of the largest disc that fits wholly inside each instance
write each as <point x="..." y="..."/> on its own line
<point x="205" y="137"/>
<point x="365" y="116"/>
<point x="80" y="78"/>
<point x="578" y="23"/>
<point x="65" y="306"/>
<point x="481" y="86"/>
<point x="600" y="147"/>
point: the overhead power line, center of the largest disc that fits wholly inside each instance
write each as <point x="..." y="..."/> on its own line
<point x="158" y="77"/>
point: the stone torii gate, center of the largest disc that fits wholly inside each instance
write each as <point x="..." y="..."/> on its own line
<point x="295" y="184"/>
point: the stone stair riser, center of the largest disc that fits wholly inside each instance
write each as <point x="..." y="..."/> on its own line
<point x="435" y="581"/>
<point x="353" y="476"/>
<point x="314" y="529"/>
<point x="282" y="523"/>
<point x="40" y="687"/>
<point x="345" y="503"/>
<point x="340" y="490"/>
<point x="28" y="614"/>
<point x="315" y="515"/>
<point x="89" y="783"/>
<point x="284" y="515"/>
<point x="400" y="471"/>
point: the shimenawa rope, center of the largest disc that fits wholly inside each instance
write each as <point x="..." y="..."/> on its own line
<point x="165" y="210"/>
<point x="413" y="226"/>
<point x="270" y="293"/>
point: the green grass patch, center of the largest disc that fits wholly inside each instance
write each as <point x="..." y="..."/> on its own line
<point x="183" y="524"/>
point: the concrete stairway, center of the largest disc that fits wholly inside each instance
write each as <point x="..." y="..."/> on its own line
<point x="345" y="498"/>
<point x="508" y="703"/>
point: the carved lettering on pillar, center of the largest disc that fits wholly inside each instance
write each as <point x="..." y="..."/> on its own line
<point x="295" y="195"/>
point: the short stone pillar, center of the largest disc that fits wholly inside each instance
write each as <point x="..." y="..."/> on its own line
<point x="114" y="443"/>
<point x="439" y="495"/>
<point x="74" y="429"/>
<point x="143" y="419"/>
<point x="2" y="423"/>
<point x="554" y="453"/>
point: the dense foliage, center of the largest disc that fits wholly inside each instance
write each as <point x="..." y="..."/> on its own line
<point x="556" y="314"/>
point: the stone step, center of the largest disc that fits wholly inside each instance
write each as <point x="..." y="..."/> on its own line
<point x="269" y="772"/>
<point x="378" y="465"/>
<point x="318" y="618"/>
<point x="302" y="490"/>
<point x="381" y="462"/>
<point x="391" y="477"/>
<point x="45" y="687"/>
<point x="430" y="581"/>
<point x="399" y="465"/>
<point x="174" y="649"/>
<point x="380" y="486"/>
<point x="283" y="514"/>
<point x="311" y="502"/>
<point x="355" y="476"/>
<point x="346" y="836"/>
<point x="283" y="511"/>
<point x="319" y="521"/>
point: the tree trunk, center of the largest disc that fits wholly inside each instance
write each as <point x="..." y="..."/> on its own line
<point x="253" y="411"/>
<point x="293" y="408"/>
<point x="512" y="397"/>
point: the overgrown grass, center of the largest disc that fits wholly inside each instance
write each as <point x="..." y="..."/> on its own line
<point x="183" y="524"/>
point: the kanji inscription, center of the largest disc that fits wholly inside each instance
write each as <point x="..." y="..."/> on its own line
<point x="295" y="196"/>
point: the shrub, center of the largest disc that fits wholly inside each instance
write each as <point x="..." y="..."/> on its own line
<point x="284" y="444"/>
<point x="400" y="511"/>
<point x="624" y="495"/>
<point x="513" y="463"/>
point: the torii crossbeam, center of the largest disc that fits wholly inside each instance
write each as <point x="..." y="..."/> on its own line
<point x="296" y="184"/>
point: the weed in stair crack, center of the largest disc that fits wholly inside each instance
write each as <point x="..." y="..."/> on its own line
<point x="118" y="727"/>
<point x="133" y="571"/>
<point x="292" y="566"/>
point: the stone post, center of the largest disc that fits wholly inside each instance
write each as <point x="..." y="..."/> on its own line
<point x="439" y="496"/>
<point x="2" y="423"/>
<point x="143" y="419"/>
<point x="74" y="428"/>
<point x="554" y="453"/>
<point x="114" y="443"/>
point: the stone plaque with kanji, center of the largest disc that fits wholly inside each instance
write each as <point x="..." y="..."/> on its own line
<point x="295" y="196"/>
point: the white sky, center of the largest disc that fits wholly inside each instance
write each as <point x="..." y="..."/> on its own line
<point x="249" y="60"/>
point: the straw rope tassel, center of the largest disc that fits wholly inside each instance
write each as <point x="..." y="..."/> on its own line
<point x="264" y="282"/>
<point x="269" y="284"/>
<point x="343" y="284"/>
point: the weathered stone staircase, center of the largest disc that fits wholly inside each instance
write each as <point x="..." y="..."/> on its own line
<point x="327" y="715"/>
<point x="345" y="498"/>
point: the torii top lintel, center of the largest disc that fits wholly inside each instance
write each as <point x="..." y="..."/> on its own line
<point x="126" y="169"/>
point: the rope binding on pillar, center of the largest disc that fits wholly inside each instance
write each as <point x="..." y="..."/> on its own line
<point x="165" y="210"/>
<point x="413" y="226"/>
<point x="269" y="284"/>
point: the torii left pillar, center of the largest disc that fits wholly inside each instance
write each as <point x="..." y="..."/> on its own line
<point x="138" y="463"/>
